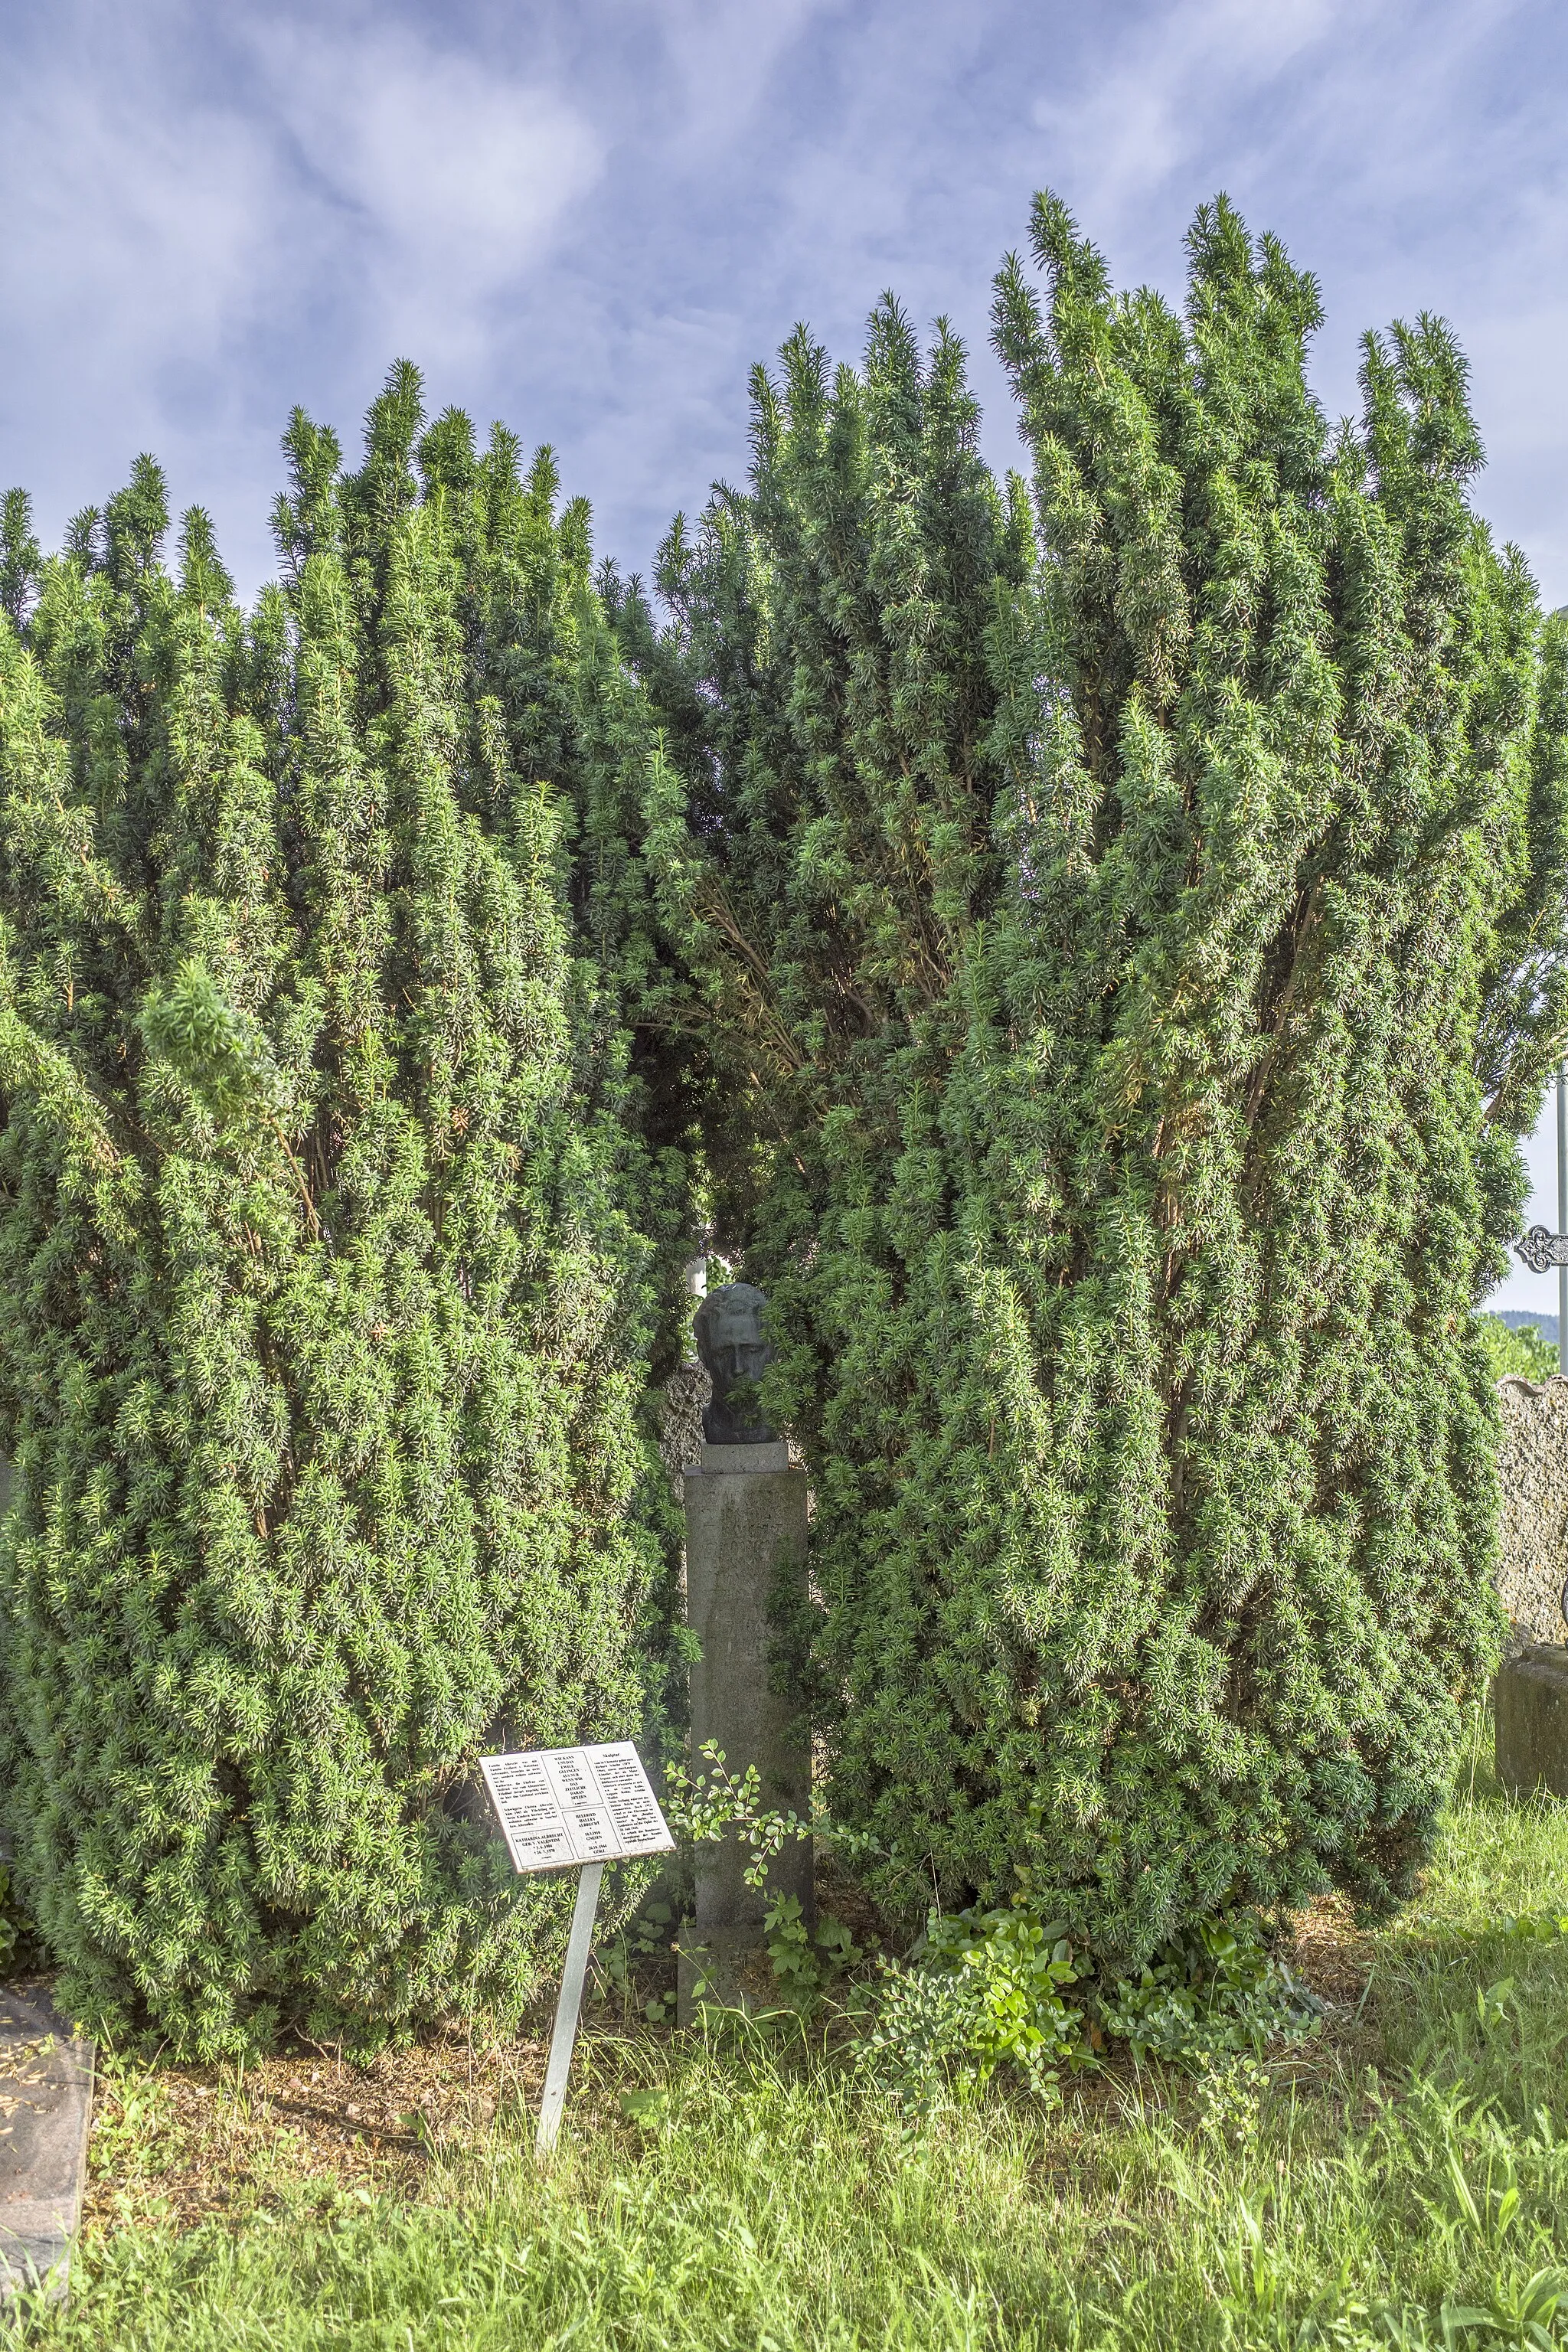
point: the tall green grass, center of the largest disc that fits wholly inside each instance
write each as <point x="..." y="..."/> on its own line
<point x="1410" y="2190"/>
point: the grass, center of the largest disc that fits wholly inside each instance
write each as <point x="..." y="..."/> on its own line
<point x="1406" y="2184"/>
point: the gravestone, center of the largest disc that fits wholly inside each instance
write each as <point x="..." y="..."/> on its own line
<point x="746" y="1525"/>
<point x="46" y="2107"/>
<point x="1531" y="1708"/>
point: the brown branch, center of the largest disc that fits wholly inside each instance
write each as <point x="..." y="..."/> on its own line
<point x="1275" y="1033"/>
<point x="711" y="904"/>
<point x="298" y="1176"/>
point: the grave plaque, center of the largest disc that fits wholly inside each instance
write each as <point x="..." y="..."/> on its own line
<point x="565" y="1807"/>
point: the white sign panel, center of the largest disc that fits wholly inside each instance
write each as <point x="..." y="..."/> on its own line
<point x="563" y="1805"/>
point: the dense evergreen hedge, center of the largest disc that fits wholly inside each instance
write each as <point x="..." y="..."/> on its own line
<point x="327" y="1236"/>
<point x="1130" y="915"/>
<point x="1113" y="929"/>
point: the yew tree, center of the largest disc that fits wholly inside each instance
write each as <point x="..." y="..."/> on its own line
<point x="330" y="1236"/>
<point x="1128" y="907"/>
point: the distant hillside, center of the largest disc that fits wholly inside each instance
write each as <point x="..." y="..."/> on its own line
<point x="1516" y="1318"/>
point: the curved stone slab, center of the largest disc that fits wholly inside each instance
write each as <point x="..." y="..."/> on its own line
<point x="46" y="2108"/>
<point x="1532" y="1528"/>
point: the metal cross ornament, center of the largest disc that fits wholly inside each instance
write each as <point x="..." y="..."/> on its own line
<point x="1541" y="1249"/>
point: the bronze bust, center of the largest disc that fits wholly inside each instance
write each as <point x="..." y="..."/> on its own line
<point x="728" y="1333"/>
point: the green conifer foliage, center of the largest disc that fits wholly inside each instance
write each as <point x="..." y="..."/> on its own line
<point x="327" y="1236"/>
<point x="1134" y="913"/>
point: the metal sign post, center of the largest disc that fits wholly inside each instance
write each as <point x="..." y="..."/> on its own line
<point x="568" y="2007"/>
<point x="563" y="1805"/>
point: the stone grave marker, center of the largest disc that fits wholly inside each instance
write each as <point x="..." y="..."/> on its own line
<point x="1530" y="1714"/>
<point x="46" y="2108"/>
<point x="746" y="1528"/>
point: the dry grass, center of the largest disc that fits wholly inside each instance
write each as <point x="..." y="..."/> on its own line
<point x="189" y="2144"/>
<point x="1331" y="1955"/>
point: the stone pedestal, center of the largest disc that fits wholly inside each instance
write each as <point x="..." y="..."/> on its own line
<point x="745" y="1552"/>
<point x="1530" y="1704"/>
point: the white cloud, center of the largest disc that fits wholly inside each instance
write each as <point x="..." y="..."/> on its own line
<point x="130" y="229"/>
<point x="1152" y="103"/>
<point x="206" y="222"/>
<point x="589" y="215"/>
<point x="725" y="54"/>
<point x="448" y="177"/>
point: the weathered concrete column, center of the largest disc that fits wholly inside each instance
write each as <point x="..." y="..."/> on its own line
<point x="745" y="1558"/>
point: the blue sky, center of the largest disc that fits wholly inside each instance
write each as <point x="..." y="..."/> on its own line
<point x="590" y="218"/>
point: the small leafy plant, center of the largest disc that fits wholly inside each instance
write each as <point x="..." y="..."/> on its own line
<point x="14" y="1928"/>
<point x="1535" y="1926"/>
<point x="136" y="2129"/>
<point x="621" y="1963"/>
<point x="1214" y="1990"/>
<point x="807" y="1959"/>
<point x="988" y="1990"/>
<point x="704" y="1807"/>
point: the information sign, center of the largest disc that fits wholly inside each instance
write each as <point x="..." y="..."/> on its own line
<point x="574" y="1807"/>
<point x="564" y="1805"/>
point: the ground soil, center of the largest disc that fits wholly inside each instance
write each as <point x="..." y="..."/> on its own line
<point x="1332" y="1956"/>
<point x="187" y="2144"/>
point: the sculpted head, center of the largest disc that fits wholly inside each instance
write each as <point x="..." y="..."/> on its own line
<point x="729" y="1334"/>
